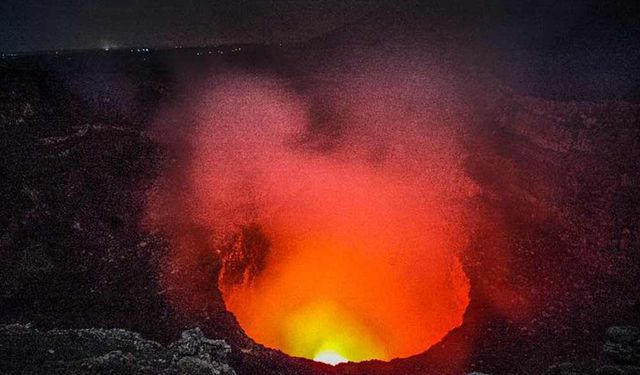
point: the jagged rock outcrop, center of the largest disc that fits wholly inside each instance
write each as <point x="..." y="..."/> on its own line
<point x="26" y="350"/>
<point x="618" y="370"/>
<point x="623" y="345"/>
<point x="622" y="349"/>
<point x="566" y="368"/>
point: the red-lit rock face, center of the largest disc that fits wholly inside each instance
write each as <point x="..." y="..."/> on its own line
<point x="348" y="254"/>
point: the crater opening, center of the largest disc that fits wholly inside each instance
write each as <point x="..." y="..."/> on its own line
<point x="317" y="298"/>
<point x="340" y="254"/>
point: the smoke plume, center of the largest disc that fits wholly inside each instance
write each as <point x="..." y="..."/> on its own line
<point x="336" y="212"/>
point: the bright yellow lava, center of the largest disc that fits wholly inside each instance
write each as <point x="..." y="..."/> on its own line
<point x="329" y="357"/>
<point x="327" y="333"/>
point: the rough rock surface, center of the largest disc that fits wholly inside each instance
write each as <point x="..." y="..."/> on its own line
<point x="26" y="350"/>
<point x="618" y="370"/>
<point x="566" y="368"/>
<point x="621" y="349"/>
<point x="623" y="345"/>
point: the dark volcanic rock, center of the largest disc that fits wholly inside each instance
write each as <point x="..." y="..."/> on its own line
<point x="623" y="345"/>
<point x="566" y="368"/>
<point x="621" y="348"/>
<point x="618" y="370"/>
<point x="26" y="350"/>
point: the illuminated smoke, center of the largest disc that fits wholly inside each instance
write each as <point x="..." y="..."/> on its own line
<point x="338" y="239"/>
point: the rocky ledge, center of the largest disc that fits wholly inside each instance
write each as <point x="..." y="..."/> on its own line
<point x="26" y="350"/>
<point x="621" y="350"/>
<point x="621" y="354"/>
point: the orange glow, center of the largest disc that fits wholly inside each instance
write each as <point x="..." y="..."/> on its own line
<point x="357" y="268"/>
<point x="364" y="239"/>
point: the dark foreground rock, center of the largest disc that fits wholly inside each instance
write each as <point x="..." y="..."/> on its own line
<point x="26" y="350"/>
<point x="621" y="350"/>
<point x="623" y="345"/>
<point x="621" y="354"/>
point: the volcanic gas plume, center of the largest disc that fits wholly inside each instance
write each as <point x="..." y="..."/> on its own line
<point x="338" y="250"/>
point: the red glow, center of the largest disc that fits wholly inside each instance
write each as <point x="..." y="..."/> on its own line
<point x="363" y="261"/>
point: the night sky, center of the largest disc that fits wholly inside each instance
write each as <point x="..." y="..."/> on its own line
<point x="33" y="25"/>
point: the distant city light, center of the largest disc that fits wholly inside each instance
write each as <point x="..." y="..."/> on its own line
<point x="106" y="46"/>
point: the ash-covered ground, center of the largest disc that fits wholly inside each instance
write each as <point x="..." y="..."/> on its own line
<point x="553" y="259"/>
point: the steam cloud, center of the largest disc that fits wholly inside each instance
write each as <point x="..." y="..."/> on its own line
<point x="337" y="213"/>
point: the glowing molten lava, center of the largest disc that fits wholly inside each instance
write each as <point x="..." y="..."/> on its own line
<point x="329" y="357"/>
<point x="354" y="269"/>
<point x="342" y="255"/>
